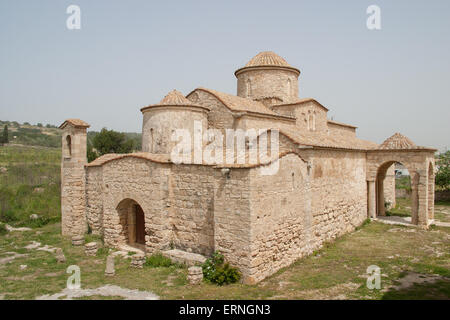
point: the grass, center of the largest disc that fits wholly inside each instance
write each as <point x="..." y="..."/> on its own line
<point x="403" y="209"/>
<point x="338" y="270"/>
<point x="29" y="184"/>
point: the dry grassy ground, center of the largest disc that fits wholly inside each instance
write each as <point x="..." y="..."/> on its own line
<point x="338" y="271"/>
<point x="415" y="264"/>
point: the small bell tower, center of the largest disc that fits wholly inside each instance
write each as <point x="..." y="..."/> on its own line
<point x="73" y="177"/>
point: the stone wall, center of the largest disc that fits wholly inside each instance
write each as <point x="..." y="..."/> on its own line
<point x="339" y="193"/>
<point x="280" y="218"/>
<point x="341" y="132"/>
<point x="295" y="211"/>
<point x="219" y="116"/>
<point x="442" y="195"/>
<point x="142" y="181"/>
<point x="389" y="187"/>
<point x="94" y="199"/>
<point x="232" y="218"/>
<point x="265" y="82"/>
<point x="160" y="123"/>
<point x="191" y="194"/>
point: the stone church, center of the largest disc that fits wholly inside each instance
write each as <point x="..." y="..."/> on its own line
<point x="328" y="181"/>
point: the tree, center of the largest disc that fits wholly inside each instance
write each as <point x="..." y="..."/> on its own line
<point x="109" y="141"/>
<point x="443" y="172"/>
<point x="5" y="138"/>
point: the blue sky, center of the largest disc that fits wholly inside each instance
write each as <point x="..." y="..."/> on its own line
<point x="129" y="54"/>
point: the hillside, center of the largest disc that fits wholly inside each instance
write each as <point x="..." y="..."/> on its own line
<point x="47" y="135"/>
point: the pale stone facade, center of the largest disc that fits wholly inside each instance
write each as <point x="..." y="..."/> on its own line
<point x="327" y="183"/>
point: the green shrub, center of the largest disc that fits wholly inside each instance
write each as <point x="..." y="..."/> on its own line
<point x="216" y="270"/>
<point x="158" y="260"/>
<point x="3" y="229"/>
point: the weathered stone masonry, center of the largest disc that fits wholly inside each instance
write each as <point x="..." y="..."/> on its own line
<point x="328" y="181"/>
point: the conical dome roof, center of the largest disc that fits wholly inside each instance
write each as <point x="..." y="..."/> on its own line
<point x="398" y="141"/>
<point x="174" y="98"/>
<point x="267" y="58"/>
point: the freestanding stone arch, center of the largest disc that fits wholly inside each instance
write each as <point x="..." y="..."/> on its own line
<point x="398" y="148"/>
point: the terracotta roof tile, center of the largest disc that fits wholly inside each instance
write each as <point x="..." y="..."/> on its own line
<point x="174" y="98"/>
<point x="398" y="141"/>
<point x="75" y="122"/>
<point x="235" y="103"/>
<point x="160" y="158"/>
<point x="267" y="58"/>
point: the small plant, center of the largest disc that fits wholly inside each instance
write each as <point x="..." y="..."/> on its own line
<point x="158" y="260"/>
<point x="131" y="253"/>
<point x="3" y="229"/>
<point x="216" y="270"/>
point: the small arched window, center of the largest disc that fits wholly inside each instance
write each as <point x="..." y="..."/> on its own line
<point x="289" y="87"/>
<point x="69" y="145"/>
<point x="151" y="140"/>
<point x="249" y="88"/>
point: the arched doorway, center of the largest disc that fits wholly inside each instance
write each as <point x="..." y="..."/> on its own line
<point x="396" y="196"/>
<point x="132" y="220"/>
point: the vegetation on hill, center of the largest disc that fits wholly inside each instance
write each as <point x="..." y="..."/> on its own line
<point x="29" y="185"/>
<point x="27" y="134"/>
<point x="110" y="141"/>
<point x="443" y="172"/>
<point x="50" y="136"/>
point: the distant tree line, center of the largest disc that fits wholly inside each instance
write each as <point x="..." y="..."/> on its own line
<point x="4" y="138"/>
<point x="443" y="171"/>
<point x="110" y="141"/>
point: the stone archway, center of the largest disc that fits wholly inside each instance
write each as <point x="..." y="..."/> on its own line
<point x="417" y="160"/>
<point x="132" y="222"/>
<point x="380" y="189"/>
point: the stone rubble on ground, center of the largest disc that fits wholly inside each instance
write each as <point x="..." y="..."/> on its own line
<point x="60" y="257"/>
<point x="12" y="256"/>
<point x="195" y="275"/>
<point x="10" y="229"/>
<point x="110" y="271"/>
<point x="138" y="260"/>
<point x="108" y="290"/>
<point x="90" y="249"/>
<point x="78" y="240"/>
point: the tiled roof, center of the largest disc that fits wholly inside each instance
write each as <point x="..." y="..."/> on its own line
<point x="76" y="123"/>
<point x="160" y="158"/>
<point x="267" y="58"/>
<point x="235" y="103"/>
<point x="341" y="124"/>
<point x="397" y="141"/>
<point x="174" y="98"/>
<point x="299" y="101"/>
<point x="316" y="139"/>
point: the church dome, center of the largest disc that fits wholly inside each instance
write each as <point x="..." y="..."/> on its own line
<point x="267" y="58"/>
<point x="397" y="141"/>
<point x="174" y="98"/>
<point x="268" y="77"/>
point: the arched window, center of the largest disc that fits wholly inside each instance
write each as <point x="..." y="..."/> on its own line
<point x="249" y="88"/>
<point x="69" y="145"/>
<point x="289" y="87"/>
<point x="151" y="140"/>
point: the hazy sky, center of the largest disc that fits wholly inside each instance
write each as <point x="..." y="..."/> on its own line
<point x="129" y="54"/>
